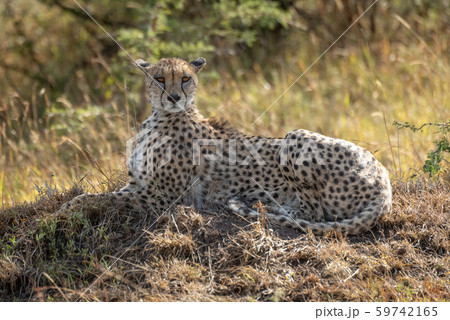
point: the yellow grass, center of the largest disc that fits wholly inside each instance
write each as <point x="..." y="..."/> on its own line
<point x="105" y="253"/>
<point x="352" y="93"/>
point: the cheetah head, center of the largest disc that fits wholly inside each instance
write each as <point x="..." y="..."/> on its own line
<point x="172" y="83"/>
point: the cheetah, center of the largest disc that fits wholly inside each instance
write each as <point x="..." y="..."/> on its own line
<point x="305" y="181"/>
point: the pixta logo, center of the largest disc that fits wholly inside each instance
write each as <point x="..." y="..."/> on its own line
<point x="149" y="151"/>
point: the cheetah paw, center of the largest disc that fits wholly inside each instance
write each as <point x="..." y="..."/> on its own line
<point x="75" y="202"/>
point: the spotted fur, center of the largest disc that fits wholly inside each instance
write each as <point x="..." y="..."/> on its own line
<point x="311" y="182"/>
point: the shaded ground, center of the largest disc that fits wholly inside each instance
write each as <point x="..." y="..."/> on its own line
<point x="110" y="254"/>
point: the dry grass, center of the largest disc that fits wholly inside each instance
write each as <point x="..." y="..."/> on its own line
<point x="105" y="253"/>
<point x="354" y="93"/>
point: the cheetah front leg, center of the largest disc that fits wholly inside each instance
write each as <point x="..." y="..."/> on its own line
<point x="147" y="198"/>
<point x="126" y="197"/>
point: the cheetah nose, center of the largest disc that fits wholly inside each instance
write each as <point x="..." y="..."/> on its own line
<point x="174" y="98"/>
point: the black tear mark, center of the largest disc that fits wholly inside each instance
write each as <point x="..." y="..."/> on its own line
<point x="185" y="96"/>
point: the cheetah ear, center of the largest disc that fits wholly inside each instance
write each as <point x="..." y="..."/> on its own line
<point x="143" y="65"/>
<point x="198" y="64"/>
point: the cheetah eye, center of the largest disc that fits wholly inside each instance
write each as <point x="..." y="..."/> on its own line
<point x="185" y="79"/>
<point x="160" y="79"/>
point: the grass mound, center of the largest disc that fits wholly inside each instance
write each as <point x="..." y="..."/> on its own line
<point x="107" y="253"/>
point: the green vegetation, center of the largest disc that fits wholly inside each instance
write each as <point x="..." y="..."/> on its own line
<point x="70" y="98"/>
<point x="433" y="164"/>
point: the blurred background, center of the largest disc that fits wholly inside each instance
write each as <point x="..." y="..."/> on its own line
<point x="70" y="97"/>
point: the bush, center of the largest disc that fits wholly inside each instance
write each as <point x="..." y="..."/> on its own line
<point x="433" y="164"/>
